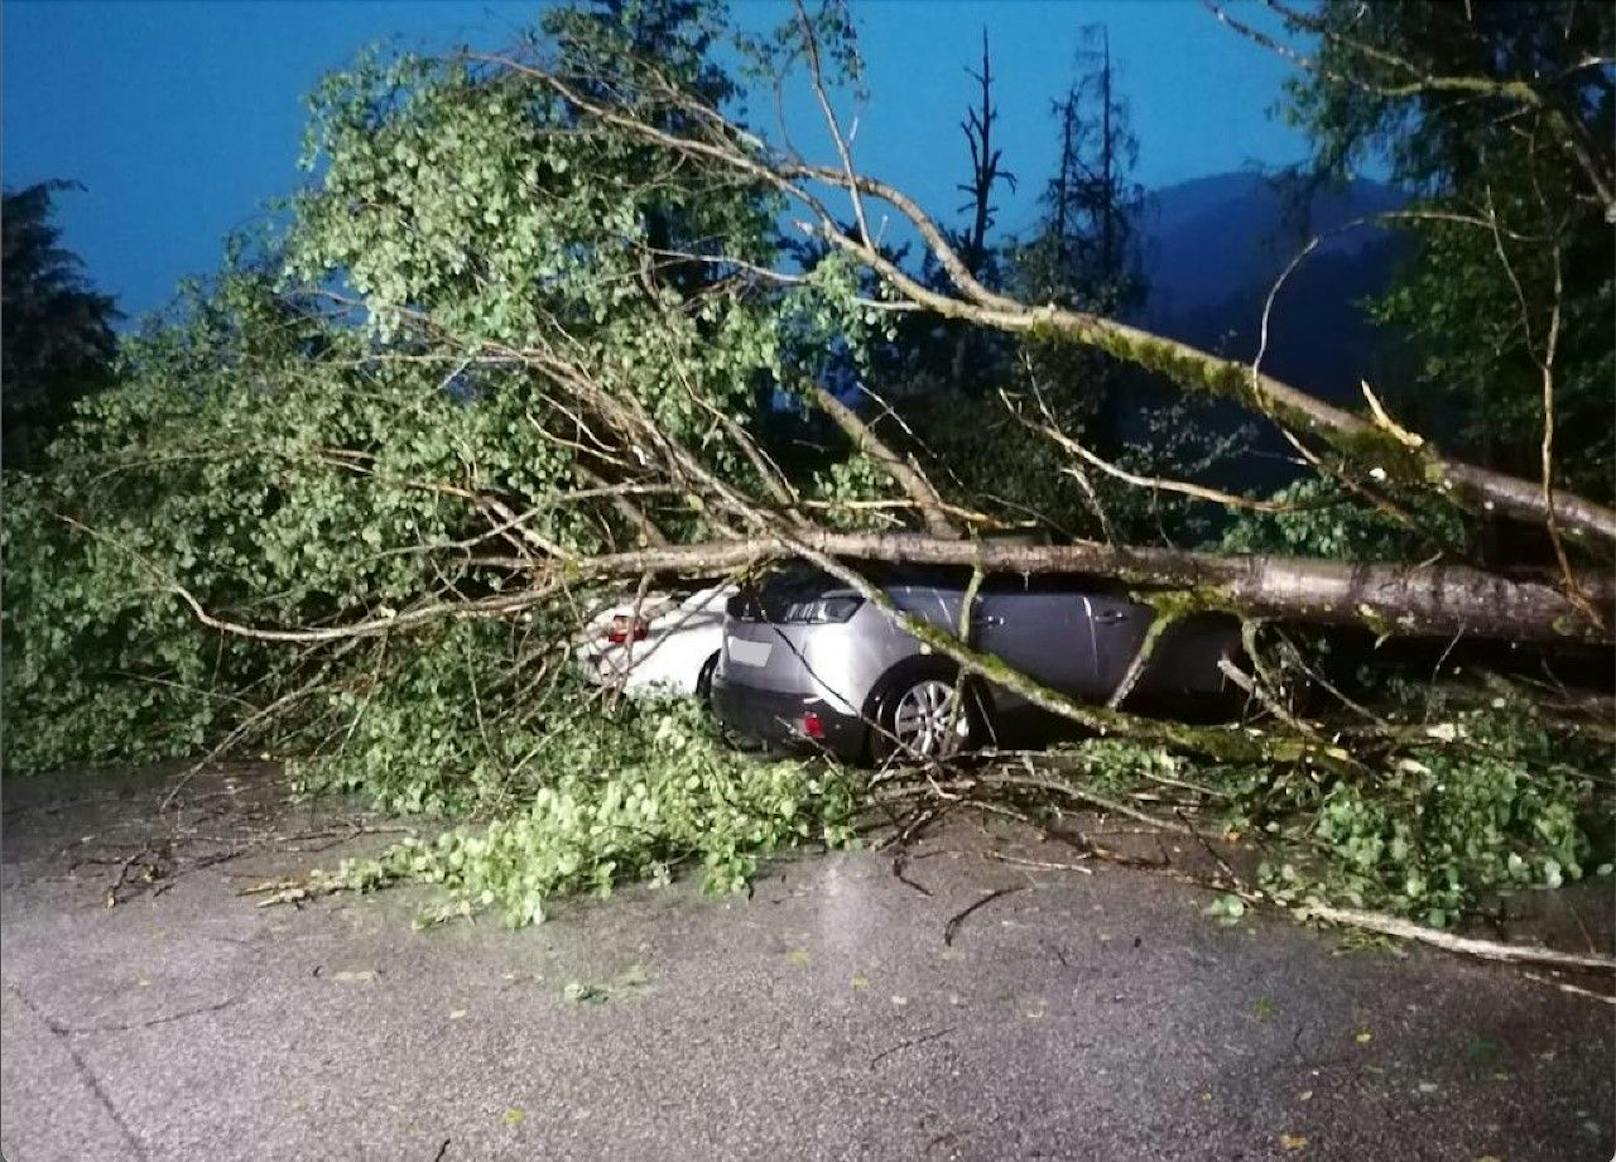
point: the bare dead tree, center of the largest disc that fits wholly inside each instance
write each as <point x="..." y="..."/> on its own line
<point x="986" y="171"/>
<point x="986" y="174"/>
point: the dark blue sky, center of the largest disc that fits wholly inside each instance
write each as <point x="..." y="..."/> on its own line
<point x="181" y="119"/>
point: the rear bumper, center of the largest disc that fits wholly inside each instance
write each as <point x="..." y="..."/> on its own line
<point x="648" y="673"/>
<point x="778" y="720"/>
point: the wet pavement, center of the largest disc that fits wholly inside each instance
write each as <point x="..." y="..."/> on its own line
<point x="837" y="1012"/>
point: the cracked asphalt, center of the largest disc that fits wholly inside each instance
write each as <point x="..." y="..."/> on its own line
<point x="1076" y="1016"/>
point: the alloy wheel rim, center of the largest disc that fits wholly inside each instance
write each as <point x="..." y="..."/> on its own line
<point x="928" y="717"/>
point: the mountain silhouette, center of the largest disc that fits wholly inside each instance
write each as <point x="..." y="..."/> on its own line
<point x="1212" y="250"/>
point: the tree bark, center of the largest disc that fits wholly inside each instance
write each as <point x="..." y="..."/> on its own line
<point x="1398" y="600"/>
<point x="906" y="475"/>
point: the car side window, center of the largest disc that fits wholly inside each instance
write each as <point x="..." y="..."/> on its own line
<point x="1027" y="584"/>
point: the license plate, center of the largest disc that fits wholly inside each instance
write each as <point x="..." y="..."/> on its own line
<point x="749" y="653"/>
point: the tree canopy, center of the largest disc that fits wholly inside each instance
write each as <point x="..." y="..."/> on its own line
<point x="1500" y="120"/>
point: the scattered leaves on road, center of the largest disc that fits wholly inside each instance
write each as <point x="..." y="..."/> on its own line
<point x="626" y="983"/>
<point x="632" y="978"/>
<point x="1226" y="909"/>
<point x="1293" y="1141"/>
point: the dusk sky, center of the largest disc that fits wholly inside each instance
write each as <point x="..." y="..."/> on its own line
<point x="182" y="119"/>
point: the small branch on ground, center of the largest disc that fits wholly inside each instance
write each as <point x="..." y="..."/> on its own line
<point x="954" y="922"/>
<point x="1043" y="864"/>
<point x="909" y="1045"/>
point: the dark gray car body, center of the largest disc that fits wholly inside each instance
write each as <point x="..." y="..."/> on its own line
<point x="1069" y="634"/>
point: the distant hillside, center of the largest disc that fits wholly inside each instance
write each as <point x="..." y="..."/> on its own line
<point x="1213" y="248"/>
<point x="1213" y="238"/>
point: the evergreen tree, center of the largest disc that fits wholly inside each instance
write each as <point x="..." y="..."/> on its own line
<point x="57" y="341"/>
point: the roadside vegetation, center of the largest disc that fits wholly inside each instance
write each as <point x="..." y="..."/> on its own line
<point x="559" y="321"/>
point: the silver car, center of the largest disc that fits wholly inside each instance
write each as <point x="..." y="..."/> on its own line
<point x="808" y="663"/>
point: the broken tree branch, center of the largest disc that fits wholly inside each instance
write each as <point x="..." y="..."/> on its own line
<point x="719" y="141"/>
<point x="905" y="474"/>
<point x="1403" y="600"/>
<point x="1486" y="949"/>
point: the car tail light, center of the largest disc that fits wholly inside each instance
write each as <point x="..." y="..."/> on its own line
<point x="627" y="629"/>
<point x="822" y="610"/>
<point x="812" y="725"/>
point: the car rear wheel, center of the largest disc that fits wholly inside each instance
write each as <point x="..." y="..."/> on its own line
<point x="928" y="715"/>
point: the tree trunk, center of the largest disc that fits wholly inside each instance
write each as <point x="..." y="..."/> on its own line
<point x="1399" y="600"/>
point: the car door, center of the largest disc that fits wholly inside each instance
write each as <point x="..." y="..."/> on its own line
<point x="1119" y="627"/>
<point x="1042" y="627"/>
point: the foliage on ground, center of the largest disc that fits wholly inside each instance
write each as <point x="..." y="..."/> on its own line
<point x="629" y="795"/>
<point x="1468" y="796"/>
<point x="291" y="445"/>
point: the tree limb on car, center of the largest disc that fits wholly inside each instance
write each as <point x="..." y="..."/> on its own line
<point x="1393" y="599"/>
<point x="713" y="138"/>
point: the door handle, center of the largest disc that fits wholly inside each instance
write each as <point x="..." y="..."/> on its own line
<point x="1110" y="616"/>
<point x="990" y="619"/>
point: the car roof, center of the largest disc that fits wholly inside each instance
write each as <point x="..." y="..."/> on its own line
<point x="909" y="575"/>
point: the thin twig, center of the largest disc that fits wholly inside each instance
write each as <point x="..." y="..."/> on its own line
<point x="958" y="918"/>
<point x="885" y="1053"/>
<point x="1049" y="865"/>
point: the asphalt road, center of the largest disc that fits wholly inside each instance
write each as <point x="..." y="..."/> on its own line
<point x="1079" y="1016"/>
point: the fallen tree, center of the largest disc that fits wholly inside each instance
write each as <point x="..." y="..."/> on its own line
<point x="361" y="527"/>
<point x="1397" y="599"/>
<point x="712" y="138"/>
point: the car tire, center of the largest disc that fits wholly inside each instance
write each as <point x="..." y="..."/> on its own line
<point x="704" y="681"/>
<point x="914" y="718"/>
<point x="704" y="695"/>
